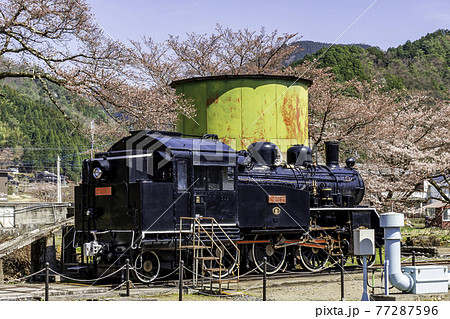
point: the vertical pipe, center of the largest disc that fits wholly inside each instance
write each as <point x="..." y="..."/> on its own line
<point x="180" y="281"/>
<point x="413" y="258"/>
<point x="265" y="279"/>
<point x="127" y="276"/>
<point x="46" y="280"/>
<point x="391" y="222"/>
<point x="365" y="296"/>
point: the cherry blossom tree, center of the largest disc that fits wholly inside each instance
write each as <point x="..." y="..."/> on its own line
<point x="411" y="146"/>
<point x="223" y="52"/>
<point x="399" y="137"/>
<point x="59" y="42"/>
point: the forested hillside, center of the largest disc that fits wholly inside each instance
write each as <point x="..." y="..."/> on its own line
<point x="33" y="132"/>
<point x="311" y="47"/>
<point x="423" y="64"/>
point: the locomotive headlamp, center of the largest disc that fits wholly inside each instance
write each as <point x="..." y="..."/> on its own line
<point x="100" y="168"/>
<point x="97" y="173"/>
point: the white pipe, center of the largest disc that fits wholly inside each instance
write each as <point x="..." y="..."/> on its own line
<point x="392" y="236"/>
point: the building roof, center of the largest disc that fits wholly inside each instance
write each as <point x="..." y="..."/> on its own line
<point x="441" y="180"/>
<point x="437" y="204"/>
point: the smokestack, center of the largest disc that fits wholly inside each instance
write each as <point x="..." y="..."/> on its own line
<point x="332" y="153"/>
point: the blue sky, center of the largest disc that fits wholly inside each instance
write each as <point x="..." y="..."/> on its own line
<point x="388" y="23"/>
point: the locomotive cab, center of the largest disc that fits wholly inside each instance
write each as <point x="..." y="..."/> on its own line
<point x="133" y="196"/>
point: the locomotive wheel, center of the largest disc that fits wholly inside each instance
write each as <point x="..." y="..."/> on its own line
<point x="146" y="267"/>
<point x="228" y="262"/>
<point x="312" y="259"/>
<point x="275" y="257"/>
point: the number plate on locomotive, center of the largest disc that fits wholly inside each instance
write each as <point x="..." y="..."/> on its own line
<point x="277" y="199"/>
<point x="102" y="191"/>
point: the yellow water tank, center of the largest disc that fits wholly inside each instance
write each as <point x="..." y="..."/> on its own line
<point x="242" y="109"/>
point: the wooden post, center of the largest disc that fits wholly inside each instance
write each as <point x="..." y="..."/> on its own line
<point x="38" y="255"/>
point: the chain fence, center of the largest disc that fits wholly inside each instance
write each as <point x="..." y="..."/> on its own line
<point x="127" y="268"/>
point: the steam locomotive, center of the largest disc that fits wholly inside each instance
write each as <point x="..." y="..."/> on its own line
<point x="156" y="198"/>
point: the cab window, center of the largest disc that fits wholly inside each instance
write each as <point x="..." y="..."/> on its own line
<point x="228" y="178"/>
<point x="200" y="178"/>
<point x="182" y="175"/>
<point x="214" y="178"/>
<point x="162" y="173"/>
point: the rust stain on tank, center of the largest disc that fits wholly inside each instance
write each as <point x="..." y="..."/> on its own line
<point x="211" y="100"/>
<point x="291" y="117"/>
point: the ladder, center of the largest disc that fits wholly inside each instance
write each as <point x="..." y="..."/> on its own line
<point x="214" y="254"/>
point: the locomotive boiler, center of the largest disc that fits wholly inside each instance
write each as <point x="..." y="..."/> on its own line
<point x="151" y="194"/>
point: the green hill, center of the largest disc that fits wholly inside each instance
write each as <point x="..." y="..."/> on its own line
<point x="33" y="132"/>
<point x="423" y="64"/>
<point x="311" y="47"/>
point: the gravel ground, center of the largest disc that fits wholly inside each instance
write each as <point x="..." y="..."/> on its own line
<point x="328" y="288"/>
<point x="323" y="288"/>
<point x="308" y="288"/>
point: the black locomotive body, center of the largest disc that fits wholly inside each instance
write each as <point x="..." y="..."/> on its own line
<point x="139" y="200"/>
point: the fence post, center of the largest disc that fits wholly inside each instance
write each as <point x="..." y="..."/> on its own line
<point x="46" y="280"/>
<point x="265" y="279"/>
<point x="373" y="281"/>
<point x="180" y="281"/>
<point x="342" y="277"/>
<point x="127" y="276"/>
<point x="386" y="277"/>
<point x="413" y="261"/>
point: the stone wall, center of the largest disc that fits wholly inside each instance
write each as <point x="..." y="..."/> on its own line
<point x="28" y="216"/>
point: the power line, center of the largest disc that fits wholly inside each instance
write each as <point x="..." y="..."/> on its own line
<point x="42" y="148"/>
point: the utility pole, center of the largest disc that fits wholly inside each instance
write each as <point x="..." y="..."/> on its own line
<point x="58" y="181"/>
<point x="92" y="139"/>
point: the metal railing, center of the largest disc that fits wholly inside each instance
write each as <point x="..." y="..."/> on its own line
<point x="204" y="237"/>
